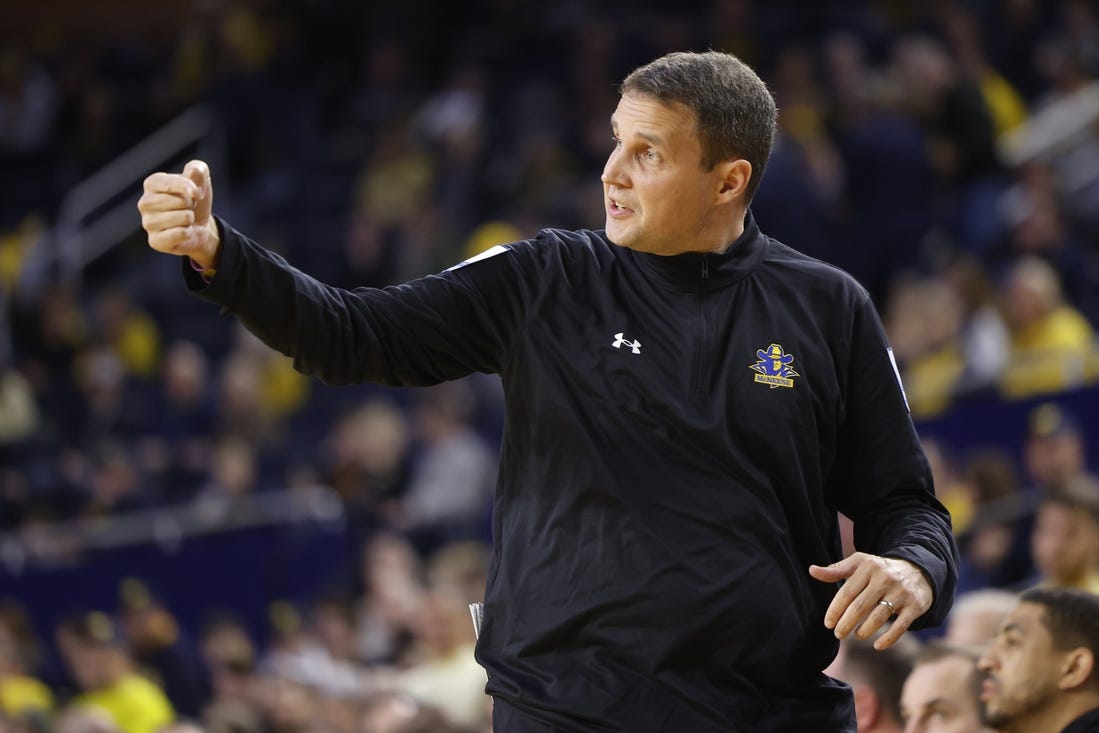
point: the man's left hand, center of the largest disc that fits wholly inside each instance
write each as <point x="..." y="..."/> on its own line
<point x="876" y="588"/>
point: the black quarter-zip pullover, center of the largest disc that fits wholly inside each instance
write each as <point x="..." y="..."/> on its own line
<point x="680" y="433"/>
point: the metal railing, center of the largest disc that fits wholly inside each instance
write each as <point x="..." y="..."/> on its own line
<point x="166" y="528"/>
<point x="101" y="212"/>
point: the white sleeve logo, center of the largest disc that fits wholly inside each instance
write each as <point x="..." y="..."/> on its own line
<point x="490" y="252"/>
<point x="897" y="372"/>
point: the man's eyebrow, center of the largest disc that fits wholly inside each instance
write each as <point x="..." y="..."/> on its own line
<point x="653" y="139"/>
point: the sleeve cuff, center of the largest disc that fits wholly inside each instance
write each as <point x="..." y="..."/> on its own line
<point x="217" y="288"/>
<point x="937" y="578"/>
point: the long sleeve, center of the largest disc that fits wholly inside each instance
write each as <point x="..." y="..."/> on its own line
<point x="423" y="332"/>
<point x="881" y="478"/>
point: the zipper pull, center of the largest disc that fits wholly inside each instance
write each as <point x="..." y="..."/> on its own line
<point x="705" y="267"/>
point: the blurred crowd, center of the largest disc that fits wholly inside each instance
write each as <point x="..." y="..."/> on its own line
<point x="945" y="153"/>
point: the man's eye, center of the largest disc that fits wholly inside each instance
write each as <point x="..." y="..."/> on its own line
<point x="649" y="154"/>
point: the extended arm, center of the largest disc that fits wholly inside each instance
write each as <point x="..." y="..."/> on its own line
<point x="423" y="332"/>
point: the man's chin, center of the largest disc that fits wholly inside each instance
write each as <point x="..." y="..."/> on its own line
<point x="616" y="235"/>
<point x="992" y="718"/>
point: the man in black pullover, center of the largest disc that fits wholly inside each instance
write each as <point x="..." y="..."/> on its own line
<point x="689" y="403"/>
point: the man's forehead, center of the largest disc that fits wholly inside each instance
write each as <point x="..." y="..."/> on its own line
<point x="945" y="675"/>
<point x="1025" y="618"/>
<point x="646" y="110"/>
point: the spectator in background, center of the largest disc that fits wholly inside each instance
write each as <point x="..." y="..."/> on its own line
<point x="160" y="647"/>
<point x="889" y="183"/>
<point x="996" y="542"/>
<point x="185" y="418"/>
<point x="1052" y="344"/>
<point x="103" y="669"/>
<point x="110" y="408"/>
<point x="925" y="323"/>
<point x="876" y="678"/>
<point x="19" y="414"/>
<point x="442" y="670"/>
<point x="393" y="588"/>
<point x="1042" y="674"/>
<point x="960" y="133"/>
<point x="984" y="337"/>
<point x="115" y="483"/>
<point x="962" y="31"/>
<point x="977" y="616"/>
<point x="233" y="477"/>
<point x="1061" y="129"/>
<point x="79" y="719"/>
<point x="1037" y="224"/>
<point x="1054" y="454"/>
<point x="129" y="332"/>
<point x="450" y="487"/>
<point x="367" y="461"/>
<point x="28" y="103"/>
<point x="394" y="712"/>
<point x="941" y="694"/>
<point x="230" y="660"/>
<point x="1065" y="543"/>
<point x="22" y="697"/>
<point x="290" y="706"/>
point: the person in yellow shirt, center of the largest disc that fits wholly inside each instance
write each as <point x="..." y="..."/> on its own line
<point x="101" y="666"/>
<point x="20" y="695"/>
<point x="1053" y="346"/>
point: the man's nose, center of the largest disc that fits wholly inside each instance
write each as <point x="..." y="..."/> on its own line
<point x="613" y="172"/>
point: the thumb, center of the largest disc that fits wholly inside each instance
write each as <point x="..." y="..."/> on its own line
<point x="837" y="571"/>
<point x="199" y="174"/>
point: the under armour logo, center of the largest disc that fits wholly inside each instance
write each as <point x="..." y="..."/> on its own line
<point x="620" y="341"/>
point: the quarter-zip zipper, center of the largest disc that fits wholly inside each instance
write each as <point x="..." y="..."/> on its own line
<point x="697" y="388"/>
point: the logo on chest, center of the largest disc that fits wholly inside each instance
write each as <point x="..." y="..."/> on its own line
<point x="773" y="367"/>
<point x="621" y="341"/>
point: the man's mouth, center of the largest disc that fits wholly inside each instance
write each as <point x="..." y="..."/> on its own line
<point x="617" y="209"/>
<point x="988" y="689"/>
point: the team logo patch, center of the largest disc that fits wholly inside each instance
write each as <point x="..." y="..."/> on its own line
<point x="773" y="367"/>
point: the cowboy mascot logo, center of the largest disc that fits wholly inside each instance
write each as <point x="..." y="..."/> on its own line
<point x="773" y="367"/>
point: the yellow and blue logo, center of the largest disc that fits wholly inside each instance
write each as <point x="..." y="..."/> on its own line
<point x="773" y="367"/>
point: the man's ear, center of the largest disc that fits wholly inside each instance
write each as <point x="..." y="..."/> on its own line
<point x="734" y="179"/>
<point x="1078" y="668"/>
<point x="867" y="706"/>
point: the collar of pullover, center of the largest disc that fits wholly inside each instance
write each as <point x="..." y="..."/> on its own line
<point x="696" y="270"/>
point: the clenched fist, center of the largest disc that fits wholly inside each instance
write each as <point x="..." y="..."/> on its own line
<point x="176" y="214"/>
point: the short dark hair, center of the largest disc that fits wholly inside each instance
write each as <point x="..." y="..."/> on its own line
<point x="1071" y="616"/>
<point x="1080" y="494"/>
<point x="937" y="650"/>
<point x="736" y="113"/>
<point x="883" y="671"/>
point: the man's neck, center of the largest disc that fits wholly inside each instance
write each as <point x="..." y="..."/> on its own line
<point x="716" y="234"/>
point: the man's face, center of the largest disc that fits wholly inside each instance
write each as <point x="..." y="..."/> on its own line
<point x="657" y="195"/>
<point x="1065" y="543"/>
<point x="1021" y="668"/>
<point x="938" y="697"/>
<point x="1053" y="460"/>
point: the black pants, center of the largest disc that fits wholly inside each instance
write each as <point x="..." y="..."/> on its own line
<point x="506" y="719"/>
